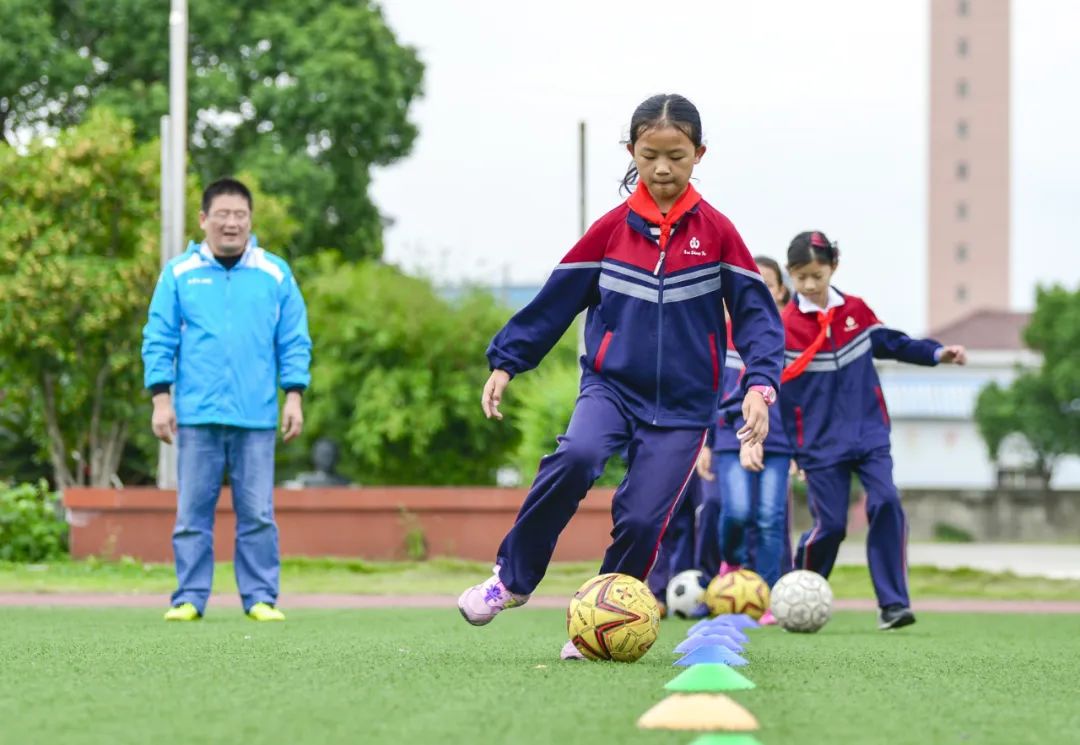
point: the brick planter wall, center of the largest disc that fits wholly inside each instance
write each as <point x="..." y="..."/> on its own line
<point x="368" y="523"/>
<point x="469" y="522"/>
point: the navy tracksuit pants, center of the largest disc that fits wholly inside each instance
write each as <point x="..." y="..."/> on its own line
<point x="691" y="540"/>
<point x="828" y="493"/>
<point x="707" y="556"/>
<point x="660" y="462"/>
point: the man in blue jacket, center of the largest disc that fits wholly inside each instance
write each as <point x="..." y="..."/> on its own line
<point x="227" y="326"/>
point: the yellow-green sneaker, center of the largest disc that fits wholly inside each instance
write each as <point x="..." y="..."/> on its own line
<point x="265" y="612"/>
<point x="183" y="612"/>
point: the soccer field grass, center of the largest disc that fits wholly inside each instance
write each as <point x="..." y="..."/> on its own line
<point x="416" y="676"/>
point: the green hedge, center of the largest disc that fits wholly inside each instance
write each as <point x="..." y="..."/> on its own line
<point x="32" y="525"/>
<point x="541" y="403"/>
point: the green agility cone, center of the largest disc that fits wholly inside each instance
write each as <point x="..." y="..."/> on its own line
<point x="708" y="678"/>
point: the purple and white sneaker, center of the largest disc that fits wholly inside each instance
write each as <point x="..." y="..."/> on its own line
<point x="481" y="603"/>
<point x="570" y="652"/>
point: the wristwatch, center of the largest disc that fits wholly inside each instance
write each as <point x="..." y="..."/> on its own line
<point x="767" y="392"/>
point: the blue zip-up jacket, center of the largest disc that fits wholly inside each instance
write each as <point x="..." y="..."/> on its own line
<point x="729" y="418"/>
<point x="655" y="329"/>
<point x="227" y="338"/>
<point x="835" y="410"/>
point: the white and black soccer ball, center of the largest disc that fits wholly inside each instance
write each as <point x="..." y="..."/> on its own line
<point x="686" y="595"/>
<point x="801" y="601"/>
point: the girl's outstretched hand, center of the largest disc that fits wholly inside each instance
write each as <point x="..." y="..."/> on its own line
<point x="704" y="464"/>
<point x="953" y="354"/>
<point x="493" y="391"/>
<point x="752" y="458"/>
<point x="756" y="414"/>
<point x="796" y="473"/>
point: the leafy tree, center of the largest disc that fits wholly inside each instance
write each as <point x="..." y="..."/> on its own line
<point x="540" y="403"/>
<point x="1041" y="405"/>
<point x="36" y="67"/>
<point x="79" y="255"/>
<point x="21" y="460"/>
<point x="77" y="261"/>
<point x="305" y="95"/>
<point x="1055" y="332"/>
<point x="397" y="375"/>
<point x="1027" y="407"/>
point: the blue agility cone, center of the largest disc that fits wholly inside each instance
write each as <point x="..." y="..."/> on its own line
<point x="724" y="629"/>
<point x="712" y="653"/>
<point x="706" y="640"/>
<point x="738" y="620"/>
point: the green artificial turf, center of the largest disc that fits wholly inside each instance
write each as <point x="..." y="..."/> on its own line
<point x="424" y="676"/>
<point x="450" y="576"/>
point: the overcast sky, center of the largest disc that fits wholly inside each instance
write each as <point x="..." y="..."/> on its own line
<point x="815" y="115"/>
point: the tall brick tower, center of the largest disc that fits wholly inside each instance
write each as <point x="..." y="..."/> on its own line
<point x="968" y="230"/>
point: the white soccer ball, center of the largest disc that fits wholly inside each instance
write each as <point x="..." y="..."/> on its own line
<point x="802" y="601"/>
<point x="686" y="596"/>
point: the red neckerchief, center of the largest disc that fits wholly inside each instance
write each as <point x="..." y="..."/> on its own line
<point x="796" y="368"/>
<point x="642" y="202"/>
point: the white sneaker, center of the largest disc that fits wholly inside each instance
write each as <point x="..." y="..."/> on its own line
<point x="481" y="603"/>
<point x="570" y="652"/>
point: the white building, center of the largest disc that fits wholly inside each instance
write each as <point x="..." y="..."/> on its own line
<point x="935" y="442"/>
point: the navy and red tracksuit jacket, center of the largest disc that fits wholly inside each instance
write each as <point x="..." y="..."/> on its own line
<point x="835" y="410"/>
<point x="729" y="418"/>
<point x="655" y="329"/>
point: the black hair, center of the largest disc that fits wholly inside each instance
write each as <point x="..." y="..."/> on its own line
<point x="226" y="186"/>
<point x="774" y="265"/>
<point x="809" y="247"/>
<point x="662" y="110"/>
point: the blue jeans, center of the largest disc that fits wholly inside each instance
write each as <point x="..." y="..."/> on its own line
<point x="737" y="487"/>
<point x="203" y="453"/>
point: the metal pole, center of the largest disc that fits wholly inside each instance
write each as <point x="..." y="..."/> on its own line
<point x="166" y="186"/>
<point x="581" y="177"/>
<point x="166" y="470"/>
<point x="173" y="173"/>
<point x="178" y="63"/>
<point x="581" y="219"/>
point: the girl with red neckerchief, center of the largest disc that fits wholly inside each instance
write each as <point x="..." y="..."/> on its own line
<point x="653" y="276"/>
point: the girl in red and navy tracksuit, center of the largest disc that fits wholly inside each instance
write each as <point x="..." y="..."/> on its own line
<point x="835" y="416"/>
<point x="653" y="275"/>
<point x="743" y="470"/>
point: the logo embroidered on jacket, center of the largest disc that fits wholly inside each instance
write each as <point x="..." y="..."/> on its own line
<point x="200" y="281"/>
<point x="695" y="245"/>
<point x="850" y="324"/>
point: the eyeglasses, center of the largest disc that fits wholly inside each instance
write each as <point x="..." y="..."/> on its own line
<point x="223" y="215"/>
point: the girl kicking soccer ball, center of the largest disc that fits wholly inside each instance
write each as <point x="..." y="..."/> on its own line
<point x="835" y="416"/>
<point x="654" y="275"/>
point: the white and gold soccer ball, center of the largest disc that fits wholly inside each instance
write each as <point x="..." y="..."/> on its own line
<point x="613" y="617"/>
<point x="802" y="601"/>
